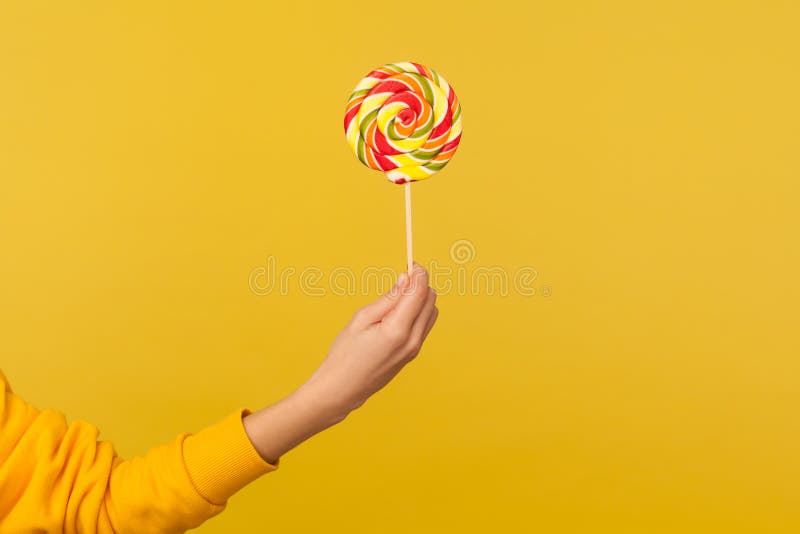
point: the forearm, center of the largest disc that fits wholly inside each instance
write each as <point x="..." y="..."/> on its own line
<point x="380" y="339"/>
<point x="282" y="426"/>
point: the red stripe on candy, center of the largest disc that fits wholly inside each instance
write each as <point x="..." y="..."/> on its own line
<point x="443" y="126"/>
<point x="350" y="116"/>
<point x="452" y="144"/>
<point x="384" y="162"/>
<point x="378" y="74"/>
<point x="389" y="86"/>
<point x="408" y="98"/>
<point x="383" y="145"/>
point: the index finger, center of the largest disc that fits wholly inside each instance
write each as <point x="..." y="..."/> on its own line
<point x="411" y="301"/>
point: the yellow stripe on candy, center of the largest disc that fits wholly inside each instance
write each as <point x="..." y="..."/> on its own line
<point x="405" y="160"/>
<point x="439" y="104"/>
<point x="386" y="114"/>
<point x="352" y="135"/>
<point x="413" y="173"/>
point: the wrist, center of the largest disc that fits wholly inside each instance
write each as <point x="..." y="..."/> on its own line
<point x="280" y="427"/>
<point x="328" y="406"/>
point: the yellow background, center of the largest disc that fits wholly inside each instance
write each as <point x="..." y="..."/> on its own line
<point x="641" y="156"/>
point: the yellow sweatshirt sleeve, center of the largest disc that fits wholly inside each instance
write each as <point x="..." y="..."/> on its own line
<point x="56" y="477"/>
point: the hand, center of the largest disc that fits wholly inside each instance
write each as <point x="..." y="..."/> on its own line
<point x="378" y="342"/>
<point x="380" y="339"/>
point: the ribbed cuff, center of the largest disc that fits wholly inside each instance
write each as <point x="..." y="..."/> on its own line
<point x="221" y="459"/>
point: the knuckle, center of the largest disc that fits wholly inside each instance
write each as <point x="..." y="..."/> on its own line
<point x="395" y="336"/>
<point x="414" y="346"/>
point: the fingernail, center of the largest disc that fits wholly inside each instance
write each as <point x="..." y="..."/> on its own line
<point x="402" y="280"/>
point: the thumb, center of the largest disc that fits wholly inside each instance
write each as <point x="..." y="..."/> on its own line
<point x="376" y="310"/>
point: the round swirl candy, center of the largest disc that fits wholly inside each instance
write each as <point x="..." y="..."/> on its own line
<point x="403" y="119"/>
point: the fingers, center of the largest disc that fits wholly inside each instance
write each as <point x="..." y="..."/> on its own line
<point x="421" y="322"/>
<point x="431" y="322"/>
<point x="377" y="310"/>
<point x="419" y="337"/>
<point x="411" y="302"/>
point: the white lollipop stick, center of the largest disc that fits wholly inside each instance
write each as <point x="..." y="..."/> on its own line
<point x="409" y="254"/>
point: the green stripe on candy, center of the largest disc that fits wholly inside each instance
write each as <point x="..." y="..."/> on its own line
<point x="361" y="151"/>
<point x="423" y="131"/>
<point x="425" y="155"/>
<point x="365" y="122"/>
<point x="426" y="86"/>
<point x="457" y="114"/>
<point x="435" y="167"/>
<point x="358" y="93"/>
<point x="392" y="133"/>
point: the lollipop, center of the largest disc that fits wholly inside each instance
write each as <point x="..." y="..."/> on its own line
<point x="404" y="119"/>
